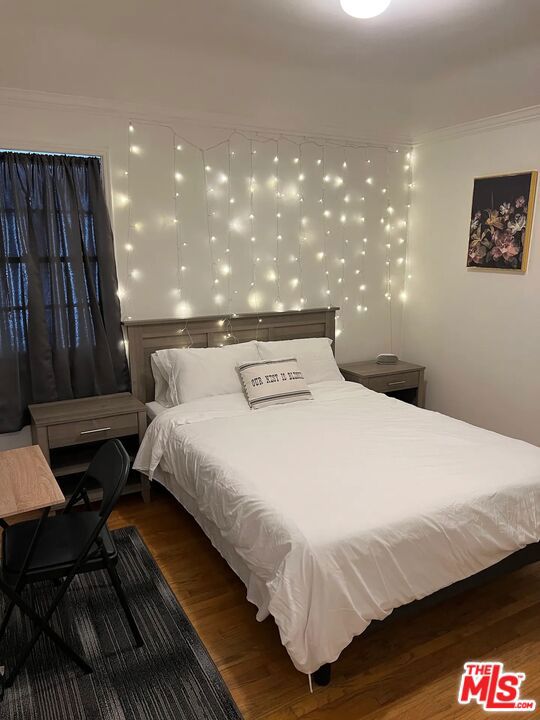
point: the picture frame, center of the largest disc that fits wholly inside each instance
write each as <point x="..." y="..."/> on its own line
<point x="501" y="224"/>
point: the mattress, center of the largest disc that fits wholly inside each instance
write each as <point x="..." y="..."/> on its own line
<point x="343" y="508"/>
<point x="153" y="409"/>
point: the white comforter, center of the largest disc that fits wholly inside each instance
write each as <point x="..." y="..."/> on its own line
<point x="349" y="505"/>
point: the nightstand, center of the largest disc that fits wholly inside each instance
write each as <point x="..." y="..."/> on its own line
<point x="70" y="431"/>
<point x="402" y="380"/>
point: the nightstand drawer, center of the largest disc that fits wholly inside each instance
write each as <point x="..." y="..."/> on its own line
<point x="85" y="431"/>
<point x="400" y="381"/>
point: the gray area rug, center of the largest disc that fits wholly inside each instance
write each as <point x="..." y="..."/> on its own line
<point x="172" y="676"/>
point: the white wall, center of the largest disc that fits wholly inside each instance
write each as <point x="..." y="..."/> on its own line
<point x="152" y="291"/>
<point x="477" y="333"/>
<point x="307" y="253"/>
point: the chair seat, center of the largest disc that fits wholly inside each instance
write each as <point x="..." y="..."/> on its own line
<point x="61" y="540"/>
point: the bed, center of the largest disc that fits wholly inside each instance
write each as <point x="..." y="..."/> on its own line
<point x="339" y="512"/>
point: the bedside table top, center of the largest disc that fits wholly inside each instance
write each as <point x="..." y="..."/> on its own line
<point x="369" y="368"/>
<point x="97" y="406"/>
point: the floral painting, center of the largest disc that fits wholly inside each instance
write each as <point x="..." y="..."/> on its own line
<point x="501" y="222"/>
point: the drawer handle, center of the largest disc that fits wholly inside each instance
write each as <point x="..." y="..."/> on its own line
<point x="88" y="432"/>
<point x="397" y="382"/>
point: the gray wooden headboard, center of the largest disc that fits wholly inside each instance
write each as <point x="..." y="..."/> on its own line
<point x="146" y="336"/>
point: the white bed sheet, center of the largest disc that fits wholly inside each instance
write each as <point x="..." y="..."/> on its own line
<point x="153" y="409"/>
<point x="346" y="507"/>
<point x="256" y="589"/>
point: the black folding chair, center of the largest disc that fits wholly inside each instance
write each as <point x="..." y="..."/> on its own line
<point x="69" y="544"/>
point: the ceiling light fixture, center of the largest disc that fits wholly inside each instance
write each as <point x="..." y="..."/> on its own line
<point x="364" y="8"/>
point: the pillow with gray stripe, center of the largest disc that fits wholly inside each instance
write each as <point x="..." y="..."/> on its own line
<point x="273" y="382"/>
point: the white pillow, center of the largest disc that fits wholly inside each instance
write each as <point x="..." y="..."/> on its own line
<point x="161" y="384"/>
<point x="273" y="382"/>
<point x="314" y="355"/>
<point x="193" y="373"/>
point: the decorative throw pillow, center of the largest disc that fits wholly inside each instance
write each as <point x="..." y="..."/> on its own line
<point x="272" y="382"/>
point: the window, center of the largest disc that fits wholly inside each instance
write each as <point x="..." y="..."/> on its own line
<point x="55" y="262"/>
<point x="60" y="317"/>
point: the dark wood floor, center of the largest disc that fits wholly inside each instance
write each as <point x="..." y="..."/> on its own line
<point x="410" y="669"/>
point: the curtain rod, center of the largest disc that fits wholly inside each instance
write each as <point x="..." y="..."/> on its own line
<point x="43" y="152"/>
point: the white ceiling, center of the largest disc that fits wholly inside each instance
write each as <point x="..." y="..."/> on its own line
<point x="294" y="64"/>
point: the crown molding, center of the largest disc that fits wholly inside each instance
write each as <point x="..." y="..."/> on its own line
<point x="473" y="127"/>
<point x="167" y="116"/>
<point x="221" y="121"/>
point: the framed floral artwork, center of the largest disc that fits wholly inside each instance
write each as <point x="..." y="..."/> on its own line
<point x="501" y="222"/>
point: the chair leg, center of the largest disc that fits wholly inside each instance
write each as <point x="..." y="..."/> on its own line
<point x="11" y="607"/>
<point x="85" y="667"/>
<point x="6" y="619"/>
<point x="20" y="584"/>
<point x="117" y="584"/>
<point x="41" y="626"/>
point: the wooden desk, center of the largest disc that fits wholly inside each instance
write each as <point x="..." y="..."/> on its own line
<point x="26" y="482"/>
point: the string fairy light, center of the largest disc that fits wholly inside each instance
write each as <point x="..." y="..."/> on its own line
<point x="277" y="185"/>
<point x="344" y="245"/>
<point x="360" y="272"/>
<point x="228" y="249"/>
<point x="229" y="335"/>
<point x="210" y="227"/>
<point x="218" y="182"/>
<point x="253" y="288"/>
<point x="388" y="254"/>
<point x="326" y="230"/>
<point x="122" y="292"/>
<point x="180" y="268"/>
<point x="301" y="237"/>
<point x="404" y="237"/>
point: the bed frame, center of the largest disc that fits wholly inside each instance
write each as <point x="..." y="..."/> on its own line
<point x="146" y="336"/>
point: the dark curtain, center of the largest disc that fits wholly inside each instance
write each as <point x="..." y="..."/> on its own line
<point x="60" y="331"/>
